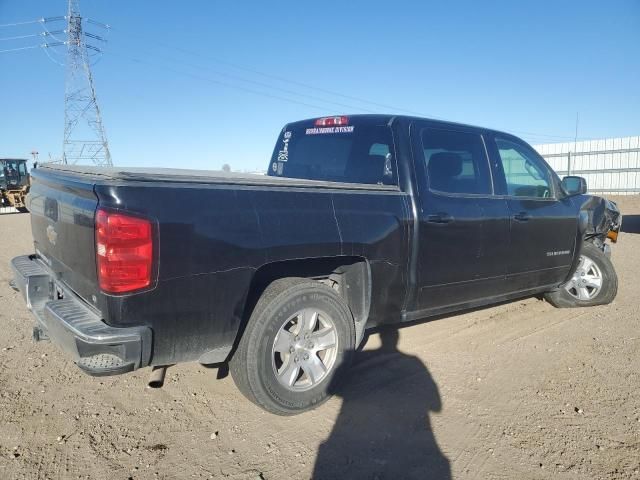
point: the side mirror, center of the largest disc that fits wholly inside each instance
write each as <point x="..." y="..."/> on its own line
<point x="574" y="185"/>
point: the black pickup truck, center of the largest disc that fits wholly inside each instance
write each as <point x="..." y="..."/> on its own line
<point x="361" y="221"/>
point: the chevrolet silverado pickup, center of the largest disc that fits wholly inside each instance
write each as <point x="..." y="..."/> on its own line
<point x="360" y="221"/>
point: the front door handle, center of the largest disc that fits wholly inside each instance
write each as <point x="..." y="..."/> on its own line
<point x="522" y="217"/>
<point x="440" y="218"/>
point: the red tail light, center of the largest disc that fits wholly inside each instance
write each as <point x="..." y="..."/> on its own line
<point x="332" y="121"/>
<point x="124" y="252"/>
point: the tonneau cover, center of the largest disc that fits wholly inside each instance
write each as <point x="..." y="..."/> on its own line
<point x="176" y="175"/>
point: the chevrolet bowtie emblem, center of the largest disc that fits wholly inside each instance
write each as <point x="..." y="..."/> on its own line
<point x="52" y="235"/>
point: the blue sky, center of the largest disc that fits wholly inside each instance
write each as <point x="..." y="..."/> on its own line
<point x="201" y="83"/>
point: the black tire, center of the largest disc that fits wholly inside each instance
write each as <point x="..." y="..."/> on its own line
<point x="562" y="298"/>
<point x="252" y="365"/>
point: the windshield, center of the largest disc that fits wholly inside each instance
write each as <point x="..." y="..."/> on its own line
<point x="350" y="153"/>
<point x="11" y="168"/>
<point x="13" y="172"/>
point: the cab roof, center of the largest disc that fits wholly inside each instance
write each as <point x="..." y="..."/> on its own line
<point x="382" y="119"/>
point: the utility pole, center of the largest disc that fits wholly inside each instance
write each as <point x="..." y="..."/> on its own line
<point x="575" y="143"/>
<point x="85" y="140"/>
<point x="34" y="154"/>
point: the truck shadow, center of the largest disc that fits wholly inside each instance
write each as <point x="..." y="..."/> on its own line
<point x="383" y="429"/>
<point x="631" y="224"/>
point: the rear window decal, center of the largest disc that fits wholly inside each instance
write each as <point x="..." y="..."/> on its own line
<point x="283" y="155"/>
<point x="325" y="130"/>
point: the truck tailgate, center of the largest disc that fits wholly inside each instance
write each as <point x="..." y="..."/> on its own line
<point x="62" y="221"/>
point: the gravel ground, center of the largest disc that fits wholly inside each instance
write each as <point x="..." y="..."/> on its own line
<point x="521" y="390"/>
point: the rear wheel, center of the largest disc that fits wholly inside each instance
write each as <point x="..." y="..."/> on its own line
<point x="593" y="283"/>
<point x="299" y="334"/>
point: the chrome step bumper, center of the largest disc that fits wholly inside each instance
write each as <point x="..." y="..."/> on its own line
<point x="97" y="348"/>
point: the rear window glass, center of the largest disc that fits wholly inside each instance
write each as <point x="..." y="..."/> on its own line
<point x="352" y="154"/>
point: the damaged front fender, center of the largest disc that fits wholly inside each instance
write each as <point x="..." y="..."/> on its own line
<point x="601" y="216"/>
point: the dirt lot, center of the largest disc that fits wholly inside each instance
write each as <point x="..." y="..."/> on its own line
<point x="521" y="390"/>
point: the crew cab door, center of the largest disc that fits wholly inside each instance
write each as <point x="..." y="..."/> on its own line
<point x="463" y="227"/>
<point x="543" y="221"/>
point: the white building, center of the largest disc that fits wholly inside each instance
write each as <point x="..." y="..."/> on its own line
<point x="610" y="165"/>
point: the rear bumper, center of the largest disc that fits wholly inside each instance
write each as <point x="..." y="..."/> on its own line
<point x="94" y="346"/>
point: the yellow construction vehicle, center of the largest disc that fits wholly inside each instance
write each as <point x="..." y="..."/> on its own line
<point x="14" y="184"/>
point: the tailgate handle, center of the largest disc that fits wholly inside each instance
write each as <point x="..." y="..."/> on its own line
<point x="522" y="217"/>
<point x="440" y="218"/>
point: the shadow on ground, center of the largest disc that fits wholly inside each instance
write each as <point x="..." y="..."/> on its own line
<point x="383" y="430"/>
<point x="631" y="223"/>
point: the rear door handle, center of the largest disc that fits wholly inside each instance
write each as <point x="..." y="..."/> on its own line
<point x="440" y="218"/>
<point x="522" y="217"/>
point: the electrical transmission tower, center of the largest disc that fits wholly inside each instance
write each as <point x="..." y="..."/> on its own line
<point x="85" y="140"/>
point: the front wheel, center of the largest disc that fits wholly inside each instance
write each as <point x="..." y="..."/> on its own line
<point x="593" y="283"/>
<point x="299" y="335"/>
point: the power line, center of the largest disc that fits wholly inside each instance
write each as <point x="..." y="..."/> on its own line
<point x="20" y="37"/>
<point x="567" y="137"/>
<point x="99" y="24"/>
<point x="38" y="20"/>
<point x="279" y="97"/>
<point x="21" y="23"/>
<point x="275" y="77"/>
<point x="320" y="89"/>
<point x="47" y="33"/>
<point x="51" y="34"/>
<point x="272" y="87"/>
<point x="304" y="85"/>
<point x="20" y="48"/>
<point x="314" y="98"/>
<point x="46" y="51"/>
<point x="218" y="82"/>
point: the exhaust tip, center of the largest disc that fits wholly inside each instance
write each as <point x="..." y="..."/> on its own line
<point x="156" y="379"/>
<point x="39" y="335"/>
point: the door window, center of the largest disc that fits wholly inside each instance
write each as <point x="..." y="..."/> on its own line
<point x="525" y="175"/>
<point x="456" y="162"/>
<point x="22" y="168"/>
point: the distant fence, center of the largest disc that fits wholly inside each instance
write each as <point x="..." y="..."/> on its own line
<point x="609" y="165"/>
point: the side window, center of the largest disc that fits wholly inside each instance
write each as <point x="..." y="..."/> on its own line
<point x="22" y="168"/>
<point x="379" y="149"/>
<point x="456" y="162"/>
<point x="526" y="176"/>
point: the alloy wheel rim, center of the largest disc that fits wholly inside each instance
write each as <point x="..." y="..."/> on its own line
<point x="586" y="282"/>
<point x="304" y="350"/>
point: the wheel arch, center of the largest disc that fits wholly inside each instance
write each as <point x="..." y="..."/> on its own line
<point x="350" y="276"/>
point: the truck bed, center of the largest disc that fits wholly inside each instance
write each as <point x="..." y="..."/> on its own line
<point x="214" y="231"/>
